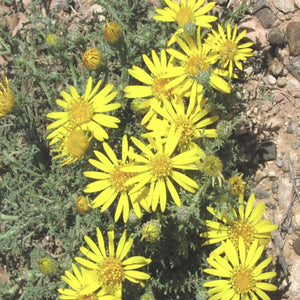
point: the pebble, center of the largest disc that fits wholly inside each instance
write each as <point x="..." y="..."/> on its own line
<point x="293" y="38"/>
<point x="295" y="145"/>
<point x="294" y="67"/>
<point x="297" y="3"/>
<point x="298" y="130"/>
<point x="261" y="193"/>
<point x="266" y="17"/>
<point x="275" y="67"/>
<point x="272" y="175"/>
<point x="271" y="79"/>
<point x="286" y="6"/>
<point x="274" y="187"/>
<point x="259" y="176"/>
<point x="281" y="81"/>
<point x="276" y="36"/>
<point x="249" y="70"/>
<point x="279" y="163"/>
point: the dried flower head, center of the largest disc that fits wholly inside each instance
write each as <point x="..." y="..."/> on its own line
<point x="92" y="58"/>
<point x="112" y="32"/>
<point x="7" y="99"/>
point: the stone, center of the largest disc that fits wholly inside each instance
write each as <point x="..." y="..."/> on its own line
<point x="293" y="86"/>
<point x="293" y="38"/>
<point x="271" y="79"/>
<point x="259" y="176"/>
<point x="276" y="36"/>
<point x="274" y="187"/>
<point x="297" y="3"/>
<point x="261" y="193"/>
<point x="295" y="145"/>
<point x="267" y="151"/>
<point x="257" y="5"/>
<point x="275" y="67"/>
<point x="298" y="130"/>
<point x="294" y="67"/>
<point x="279" y="163"/>
<point x="281" y="82"/>
<point x="266" y="17"/>
<point x="286" y="6"/>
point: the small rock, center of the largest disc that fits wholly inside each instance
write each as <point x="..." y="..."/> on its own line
<point x="293" y="38"/>
<point x="271" y="79"/>
<point x="276" y="36"/>
<point x="294" y="67"/>
<point x="267" y="151"/>
<point x="298" y="130"/>
<point x="266" y="17"/>
<point x="249" y="70"/>
<point x="295" y="145"/>
<point x="281" y="81"/>
<point x="274" y="187"/>
<point x="286" y="6"/>
<point x="261" y="194"/>
<point x="279" y="163"/>
<point x="290" y="129"/>
<point x="293" y="86"/>
<point x="272" y="175"/>
<point x="297" y="3"/>
<point x="275" y="67"/>
<point x="257" y="5"/>
<point x="259" y="176"/>
<point x="285" y="71"/>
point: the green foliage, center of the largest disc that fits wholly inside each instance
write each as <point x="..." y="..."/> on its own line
<point x="38" y="216"/>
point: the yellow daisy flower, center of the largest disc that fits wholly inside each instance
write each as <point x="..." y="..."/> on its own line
<point x="7" y="99"/>
<point x="246" y="223"/>
<point x="83" y="285"/>
<point x="190" y="120"/>
<point x="72" y="146"/>
<point x="196" y="69"/>
<point x="157" y="166"/>
<point x="87" y="111"/>
<point x="184" y="13"/>
<point x="241" y="276"/>
<point x="111" y="182"/>
<point x="111" y="266"/>
<point x="154" y="88"/>
<point x="227" y="48"/>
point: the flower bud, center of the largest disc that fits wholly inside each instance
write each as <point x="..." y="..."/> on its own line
<point x="151" y="231"/>
<point x="82" y="204"/>
<point x="112" y="32"/>
<point x="48" y="266"/>
<point x="91" y="59"/>
<point x="7" y="99"/>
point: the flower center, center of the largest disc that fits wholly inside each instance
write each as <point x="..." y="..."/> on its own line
<point x="241" y="228"/>
<point x="119" y="179"/>
<point x="183" y="16"/>
<point x="196" y="63"/>
<point x="87" y="297"/>
<point x="161" y="166"/>
<point x="111" y="273"/>
<point x="187" y="132"/>
<point x="77" y="143"/>
<point x="242" y="280"/>
<point x="228" y="50"/>
<point x="81" y="112"/>
<point x="159" y="89"/>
